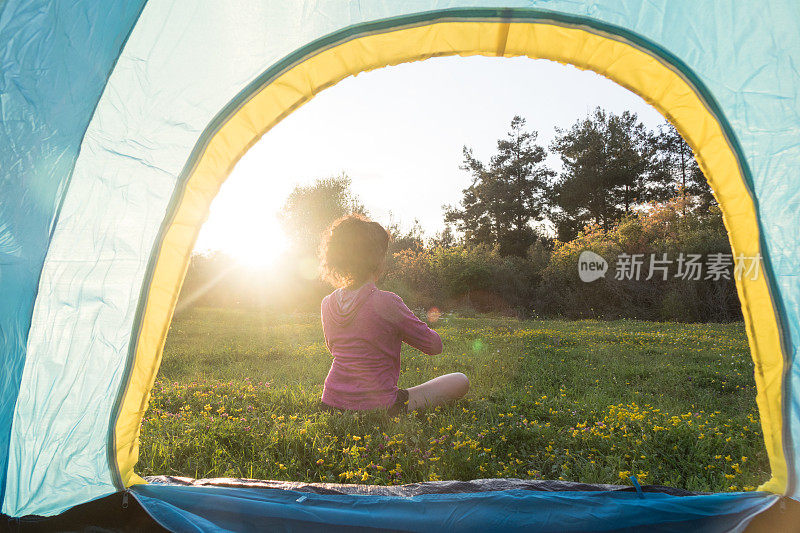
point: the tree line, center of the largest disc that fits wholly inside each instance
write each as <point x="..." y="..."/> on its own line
<point x="611" y="164"/>
<point x="511" y="244"/>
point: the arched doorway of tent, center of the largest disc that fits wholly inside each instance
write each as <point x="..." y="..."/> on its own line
<point x="651" y="73"/>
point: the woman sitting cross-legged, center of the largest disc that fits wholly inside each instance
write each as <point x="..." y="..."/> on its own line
<point x="364" y="328"/>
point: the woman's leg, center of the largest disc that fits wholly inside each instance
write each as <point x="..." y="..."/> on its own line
<point x="438" y="391"/>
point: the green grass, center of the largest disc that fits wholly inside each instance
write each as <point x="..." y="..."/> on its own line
<point x="674" y="404"/>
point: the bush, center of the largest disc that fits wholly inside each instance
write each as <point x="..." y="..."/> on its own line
<point x="671" y="227"/>
<point x="545" y="282"/>
<point x="464" y="278"/>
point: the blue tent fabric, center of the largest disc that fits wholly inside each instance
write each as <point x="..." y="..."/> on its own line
<point x="212" y="509"/>
<point x="103" y="104"/>
<point x="54" y="63"/>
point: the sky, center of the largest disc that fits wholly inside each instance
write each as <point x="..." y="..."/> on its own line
<point x="398" y="133"/>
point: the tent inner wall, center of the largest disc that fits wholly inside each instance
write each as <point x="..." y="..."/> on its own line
<point x="190" y="93"/>
<point x="50" y="84"/>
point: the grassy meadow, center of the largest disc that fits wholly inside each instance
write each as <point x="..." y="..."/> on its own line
<point x="674" y="404"/>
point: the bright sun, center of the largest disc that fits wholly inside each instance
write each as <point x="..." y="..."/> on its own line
<point x="250" y="234"/>
<point x="243" y="221"/>
<point x="257" y="247"/>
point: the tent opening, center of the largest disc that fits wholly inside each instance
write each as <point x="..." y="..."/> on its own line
<point x="590" y="400"/>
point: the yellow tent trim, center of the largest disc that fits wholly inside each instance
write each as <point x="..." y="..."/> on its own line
<point x="612" y="56"/>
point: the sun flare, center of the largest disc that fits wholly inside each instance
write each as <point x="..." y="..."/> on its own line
<point x="256" y="242"/>
<point x="259" y="247"/>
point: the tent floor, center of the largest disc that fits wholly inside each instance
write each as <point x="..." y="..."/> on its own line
<point x="415" y="489"/>
<point x="123" y="513"/>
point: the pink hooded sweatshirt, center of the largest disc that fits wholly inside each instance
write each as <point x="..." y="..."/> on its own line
<point x="364" y="330"/>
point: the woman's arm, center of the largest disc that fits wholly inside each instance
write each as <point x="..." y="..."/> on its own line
<point x="414" y="331"/>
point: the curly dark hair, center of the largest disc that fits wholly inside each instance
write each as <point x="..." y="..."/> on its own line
<point x="353" y="249"/>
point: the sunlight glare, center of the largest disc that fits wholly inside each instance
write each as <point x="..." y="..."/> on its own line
<point x="246" y="226"/>
<point x="259" y="247"/>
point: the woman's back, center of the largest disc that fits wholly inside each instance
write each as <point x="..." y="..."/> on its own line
<point x="364" y="330"/>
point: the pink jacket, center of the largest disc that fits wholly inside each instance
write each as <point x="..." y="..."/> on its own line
<point x="364" y="330"/>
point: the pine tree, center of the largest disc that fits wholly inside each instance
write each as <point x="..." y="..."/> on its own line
<point x="677" y="158"/>
<point x="506" y="195"/>
<point x="610" y="165"/>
